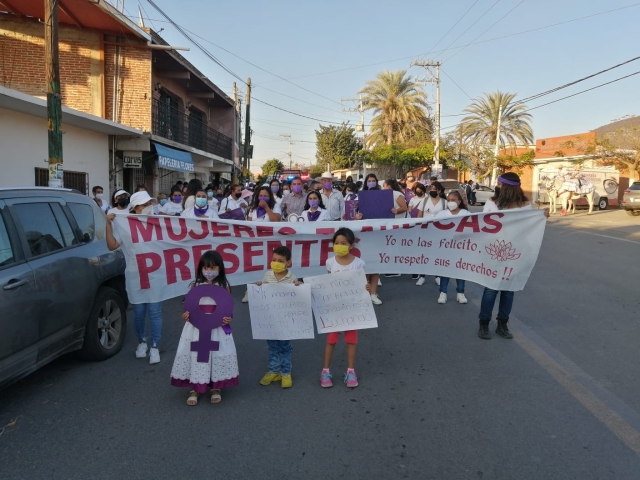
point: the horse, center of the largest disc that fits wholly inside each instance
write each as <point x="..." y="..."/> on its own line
<point x="567" y="198"/>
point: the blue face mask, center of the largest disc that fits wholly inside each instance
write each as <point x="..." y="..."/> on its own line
<point x="210" y="194"/>
<point x="163" y="202"/>
<point x="201" y="202"/>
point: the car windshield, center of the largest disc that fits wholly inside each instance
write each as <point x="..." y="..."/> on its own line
<point x="635" y="186"/>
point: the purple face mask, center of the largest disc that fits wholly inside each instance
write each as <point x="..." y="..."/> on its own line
<point x="327" y="185"/>
<point x="372" y="184"/>
<point x="263" y="199"/>
<point x="313" y="203"/>
<point x="275" y="188"/>
<point x="177" y="199"/>
<point x="296" y="188"/>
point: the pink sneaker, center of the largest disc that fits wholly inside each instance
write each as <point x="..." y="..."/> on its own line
<point x="325" y="378"/>
<point x="350" y="378"/>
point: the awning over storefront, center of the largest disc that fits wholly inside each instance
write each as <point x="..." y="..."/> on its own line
<point x="173" y="159"/>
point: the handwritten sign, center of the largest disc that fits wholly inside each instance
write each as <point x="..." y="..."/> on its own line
<point x="341" y="302"/>
<point x="280" y="311"/>
<point x="350" y="209"/>
<point x="236" y="214"/>
<point x="376" y="204"/>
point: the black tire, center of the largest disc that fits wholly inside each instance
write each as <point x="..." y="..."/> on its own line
<point x="633" y="213"/>
<point x="100" y="341"/>
<point x="603" y="203"/>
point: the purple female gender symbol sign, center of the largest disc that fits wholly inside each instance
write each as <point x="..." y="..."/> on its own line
<point x="206" y="316"/>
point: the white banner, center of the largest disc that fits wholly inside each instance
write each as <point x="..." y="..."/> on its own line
<point x="280" y="311"/>
<point x="341" y="302"/>
<point x="497" y="250"/>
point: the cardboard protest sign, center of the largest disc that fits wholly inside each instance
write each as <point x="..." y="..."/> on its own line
<point x="280" y="311"/>
<point x="376" y="204"/>
<point x="350" y="209"/>
<point x="236" y="214"/>
<point x="341" y="302"/>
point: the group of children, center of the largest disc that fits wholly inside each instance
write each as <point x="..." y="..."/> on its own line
<point x="221" y="371"/>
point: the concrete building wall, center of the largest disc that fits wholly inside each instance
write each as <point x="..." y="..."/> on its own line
<point x="24" y="147"/>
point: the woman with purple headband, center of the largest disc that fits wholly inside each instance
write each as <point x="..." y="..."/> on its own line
<point x="508" y="196"/>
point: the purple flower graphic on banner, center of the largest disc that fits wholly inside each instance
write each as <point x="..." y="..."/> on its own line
<point x="502" y="251"/>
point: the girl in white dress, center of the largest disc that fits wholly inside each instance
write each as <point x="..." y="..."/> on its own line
<point x="314" y="210"/>
<point x="222" y="369"/>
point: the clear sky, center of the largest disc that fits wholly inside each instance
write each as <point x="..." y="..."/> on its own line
<point x="332" y="48"/>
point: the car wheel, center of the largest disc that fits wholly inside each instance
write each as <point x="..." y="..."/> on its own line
<point x="633" y="213"/>
<point x="106" y="326"/>
<point x="603" y="204"/>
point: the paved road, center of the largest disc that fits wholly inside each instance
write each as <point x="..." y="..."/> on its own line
<point x="561" y="401"/>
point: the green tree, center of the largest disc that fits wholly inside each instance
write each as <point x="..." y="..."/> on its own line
<point x="481" y="125"/>
<point x="272" y="166"/>
<point x="316" y="170"/>
<point x="399" y="107"/>
<point x="337" y="146"/>
<point x="620" y="149"/>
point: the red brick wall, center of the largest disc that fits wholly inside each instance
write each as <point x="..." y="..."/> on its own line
<point x="133" y="86"/>
<point x="22" y="64"/>
<point x="569" y="145"/>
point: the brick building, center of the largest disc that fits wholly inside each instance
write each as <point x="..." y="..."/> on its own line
<point x="112" y="68"/>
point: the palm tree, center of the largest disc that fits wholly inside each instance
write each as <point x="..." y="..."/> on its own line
<point x="481" y="125"/>
<point x="398" y="104"/>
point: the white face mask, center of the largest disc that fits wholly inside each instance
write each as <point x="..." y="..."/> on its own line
<point x="99" y="196"/>
<point x="452" y="205"/>
<point x="148" y="210"/>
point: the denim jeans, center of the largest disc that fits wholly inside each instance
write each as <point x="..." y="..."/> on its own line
<point x="280" y="356"/>
<point x="154" y="310"/>
<point x="444" y="284"/>
<point x="489" y="300"/>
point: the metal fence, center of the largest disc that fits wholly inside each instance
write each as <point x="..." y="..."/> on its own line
<point x="76" y="180"/>
<point x="170" y="123"/>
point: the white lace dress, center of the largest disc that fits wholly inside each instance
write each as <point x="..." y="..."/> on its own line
<point x="221" y="371"/>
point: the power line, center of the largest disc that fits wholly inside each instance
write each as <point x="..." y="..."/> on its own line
<point x="454" y="25"/>
<point x="533" y="97"/>
<point x="471" y="26"/>
<point x="454" y="82"/>
<point x="493" y="25"/>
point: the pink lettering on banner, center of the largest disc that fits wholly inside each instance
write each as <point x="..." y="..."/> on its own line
<point x="497" y="250"/>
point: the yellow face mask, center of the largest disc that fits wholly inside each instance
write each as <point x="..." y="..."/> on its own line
<point x="278" y="267"/>
<point x="341" y="250"/>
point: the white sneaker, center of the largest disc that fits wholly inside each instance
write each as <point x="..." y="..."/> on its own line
<point x="379" y="282"/>
<point x="375" y="300"/>
<point x="442" y="298"/>
<point x="438" y="281"/>
<point x="420" y="281"/>
<point x="245" y="299"/>
<point x="154" y="356"/>
<point x="461" y="298"/>
<point x="141" y="351"/>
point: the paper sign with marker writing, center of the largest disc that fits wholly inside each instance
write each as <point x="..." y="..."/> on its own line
<point x="280" y="311"/>
<point x="341" y="302"/>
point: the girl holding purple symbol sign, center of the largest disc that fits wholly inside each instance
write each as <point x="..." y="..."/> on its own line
<point x="221" y="370"/>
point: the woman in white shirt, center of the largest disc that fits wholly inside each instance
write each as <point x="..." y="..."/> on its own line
<point x="233" y="201"/>
<point x="189" y="199"/>
<point x="120" y="203"/>
<point x="264" y="207"/>
<point x="276" y="190"/>
<point x="436" y="202"/>
<point x="201" y="208"/>
<point x="508" y="196"/>
<point x="212" y="201"/>
<point x="399" y="202"/>
<point x="314" y="210"/>
<point x="174" y="205"/>
<point x="455" y="208"/>
<point x="416" y="204"/>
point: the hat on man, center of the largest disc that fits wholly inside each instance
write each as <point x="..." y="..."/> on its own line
<point x="139" y="198"/>
<point x="120" y="192"/>
<point x="329" y="175"/>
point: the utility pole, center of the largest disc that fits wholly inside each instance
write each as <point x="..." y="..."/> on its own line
<point x="434" y="79"/>
<point x="247" y="127"/>
<point x="289" y="137"/>
<point x="496" y="149"/>
<point x="358" y="109"/>
<point x="54" y="100"/>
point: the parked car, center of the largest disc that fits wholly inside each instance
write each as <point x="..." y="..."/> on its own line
<point x="631" y="199"/>
<point x="61" y="289"/>
<point x="450" y="185"/>
<point x="483" y="194"/>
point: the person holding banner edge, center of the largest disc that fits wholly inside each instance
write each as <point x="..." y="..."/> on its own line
<point x="343" y="241"/>
<point x="279" y="350"/>
<point x="509" y="197"/>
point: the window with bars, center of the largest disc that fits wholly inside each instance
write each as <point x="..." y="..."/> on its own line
<point x="76" y="180"/>
<point x="167" y="179"/>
